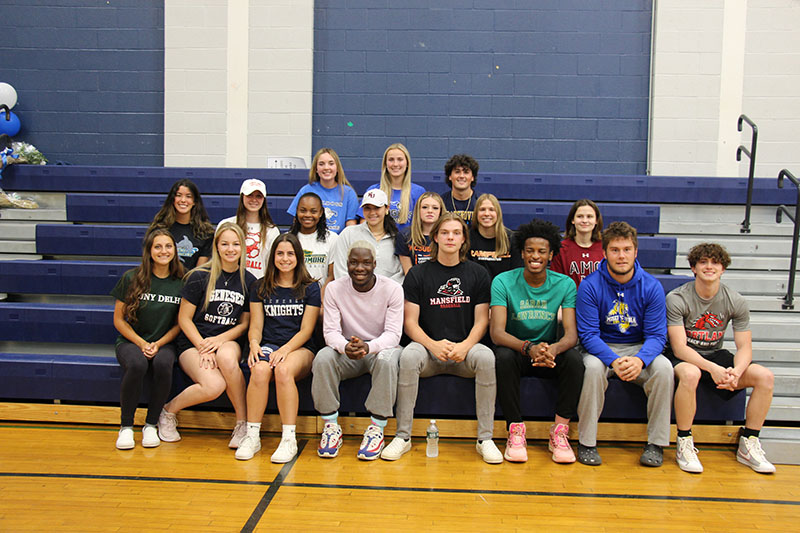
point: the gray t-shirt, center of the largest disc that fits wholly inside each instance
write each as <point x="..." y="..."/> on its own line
<point x="705" y="321"/>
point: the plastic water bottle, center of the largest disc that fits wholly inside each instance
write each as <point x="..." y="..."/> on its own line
<point x="432" y="449"/>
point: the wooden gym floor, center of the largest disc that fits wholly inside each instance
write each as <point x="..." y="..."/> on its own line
<point x="57" y="477"/>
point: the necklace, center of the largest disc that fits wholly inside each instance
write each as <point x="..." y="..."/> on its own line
<point x="453" y="201"/>
<point x="226" y="279"/>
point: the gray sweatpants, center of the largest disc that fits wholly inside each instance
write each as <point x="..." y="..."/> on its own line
<point x="656" y="379"/>
<point x="330" y="368"/>
<point x="417" y="362"/>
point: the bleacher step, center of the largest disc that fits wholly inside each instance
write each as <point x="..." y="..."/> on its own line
<point x="750" y="282"/>
<point x="769" y="303"/>
<point x="702" y="220"/>
<point x="787" y="380"/>
<point x="769" y="353"/>
<point x="776" y="247"/>
<point x="43" y="213"/>
<point x="781" y="445"/>
<point x="12" y="257"/>
<point x="17" y="247"/>
<point x="45" y="348"/>
<point x="752" y="262"/>
<point x="784" y="409"/>
<point x="17" y="231"/>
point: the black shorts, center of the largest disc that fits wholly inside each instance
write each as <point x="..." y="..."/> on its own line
<point x="723" y="358"/>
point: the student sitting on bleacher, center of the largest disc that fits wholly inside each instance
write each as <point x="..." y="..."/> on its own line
<point x="184" y="215"/>
<point x="147" y="303"/>
<point x="396" y="183"/>
<point x="582" y="249"/>
<point x="252" y="215"/>
<point x="284" y="306"/>
<point x="326" y="179"/>
<point x="698" y="313"/>
<point x="490" y="243"/>
<point x="413" y="246"/>
<point x="311" y="228"/>
<point x="461" y="173"/>
<point x="214" y="315"/>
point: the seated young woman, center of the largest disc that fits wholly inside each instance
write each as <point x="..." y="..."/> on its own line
<point x="310" y="226"/>
<point x="184" y="215"/>
<point x="413" y="246"/>
<point x="252" y="215"/>
<point x="582" y="248"/>
<point x="490" y="241"/>
<point x="284" y="307"/>
<point x="145" y="314"/>
<point x="213" y="316"/>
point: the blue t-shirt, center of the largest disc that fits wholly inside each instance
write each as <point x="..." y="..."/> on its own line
<point x="394" y="204"/>
<point x="339" y="208"/>
<point x="283" y="311"/>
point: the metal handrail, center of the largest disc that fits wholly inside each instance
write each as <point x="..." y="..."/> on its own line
<point x="788" y="299"/>
<point x="751" y="154"/>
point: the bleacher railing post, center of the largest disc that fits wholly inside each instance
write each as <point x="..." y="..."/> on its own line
<point x="788" y="300"/>
<point x="751" y="154"/>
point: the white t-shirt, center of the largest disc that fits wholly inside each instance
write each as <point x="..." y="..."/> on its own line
<point x="317" y="254"/>
<point x="257" y="252"/>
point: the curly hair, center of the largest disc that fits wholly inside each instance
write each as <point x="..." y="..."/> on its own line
<point x="620" y="230"/>
<point x="715" y="252"/>
<point x="461" y="160"/>
<point x="540" y="229"/>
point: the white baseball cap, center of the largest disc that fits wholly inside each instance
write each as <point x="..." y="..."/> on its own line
<point x="252" y="185"/>
<point x="375" y="197"/>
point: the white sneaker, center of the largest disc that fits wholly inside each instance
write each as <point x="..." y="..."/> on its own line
<point x="168" y="427"/>
<point x="286" y="451"/>
<point x="489" y="452"/>
<point x="239" y="431"/>
<point x="248" y="447"/>
<point x="751" y="454"/>
<point x="686" y="455"/>
<point x="150" y="437"/>
<point x="125" y="439"/>
<point x="396" y="449"/>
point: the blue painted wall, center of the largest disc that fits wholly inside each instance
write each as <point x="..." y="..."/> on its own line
<point x="522" y="85"/>
<point x="89" y="76"/>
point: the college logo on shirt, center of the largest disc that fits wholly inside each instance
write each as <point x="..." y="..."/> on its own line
<point x="451" y="288"/>
<point x="224" y="309"/>
<point x="619" y="316"/>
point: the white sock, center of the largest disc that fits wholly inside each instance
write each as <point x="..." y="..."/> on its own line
<point x="288" y="431"/>
<point x="254" y="429"/>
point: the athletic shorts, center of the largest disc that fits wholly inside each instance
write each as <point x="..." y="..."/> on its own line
<point x="723" y="358"/>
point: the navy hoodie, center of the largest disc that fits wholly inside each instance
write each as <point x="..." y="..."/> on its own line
<point x="621" y="313"/>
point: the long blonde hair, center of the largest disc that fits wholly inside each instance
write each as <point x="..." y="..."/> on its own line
<point x="214" y="267"/>
<point x="405" y="187"/>
<point x="417" y="236"/>
<point x="501" y="244"/>
<point x="340" y="178"/>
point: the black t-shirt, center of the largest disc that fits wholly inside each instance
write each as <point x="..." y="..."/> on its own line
<point x="190" y="247"/>
<point x="447" y="297"/>
<point x="481" y="250"/>
<point x="283" y="311"/>
<point x="418" y="254"/>
<point x="227" y="303"/>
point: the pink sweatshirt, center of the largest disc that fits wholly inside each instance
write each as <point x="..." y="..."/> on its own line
<point x="375" y="316"/>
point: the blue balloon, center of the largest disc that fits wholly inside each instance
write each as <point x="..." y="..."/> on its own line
<point x="9" y="127"/>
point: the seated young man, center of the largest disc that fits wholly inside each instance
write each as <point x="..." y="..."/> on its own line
<point x="461" y="173"/>
<point x="362" y="324"/>
<point x="524" y="327"/>
<point x="698" y="314"/>
<point x="446" y="315"/>
<point x="622" y="324"/>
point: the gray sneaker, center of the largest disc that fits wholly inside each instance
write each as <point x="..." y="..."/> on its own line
<point x="652" y="455"/>
<point x="588" y="455"/>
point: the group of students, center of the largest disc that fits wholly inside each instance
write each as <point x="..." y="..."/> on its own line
<point x="424" y="285"/>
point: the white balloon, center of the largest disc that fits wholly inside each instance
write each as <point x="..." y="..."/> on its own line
<point x="8" y="96"/>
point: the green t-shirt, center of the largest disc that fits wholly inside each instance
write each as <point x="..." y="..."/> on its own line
<point x="158" y="309"/>
<point x="532" y="312"/>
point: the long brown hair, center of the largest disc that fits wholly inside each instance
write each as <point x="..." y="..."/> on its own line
<point x="597" y="232"/>
<point x="264" y="219"/>
<point x="341" y="179"/>
<point x="142" y="275"/>
<point x="165" y="218"/>
<point x="301" y="278"/>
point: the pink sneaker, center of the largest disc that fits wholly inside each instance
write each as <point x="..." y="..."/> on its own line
<point x="559" y="445"/>
<point x="516" y="448"/>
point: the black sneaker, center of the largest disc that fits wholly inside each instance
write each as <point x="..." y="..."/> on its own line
<point x="652" y="455"/>
<point x="588" y="455"/>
